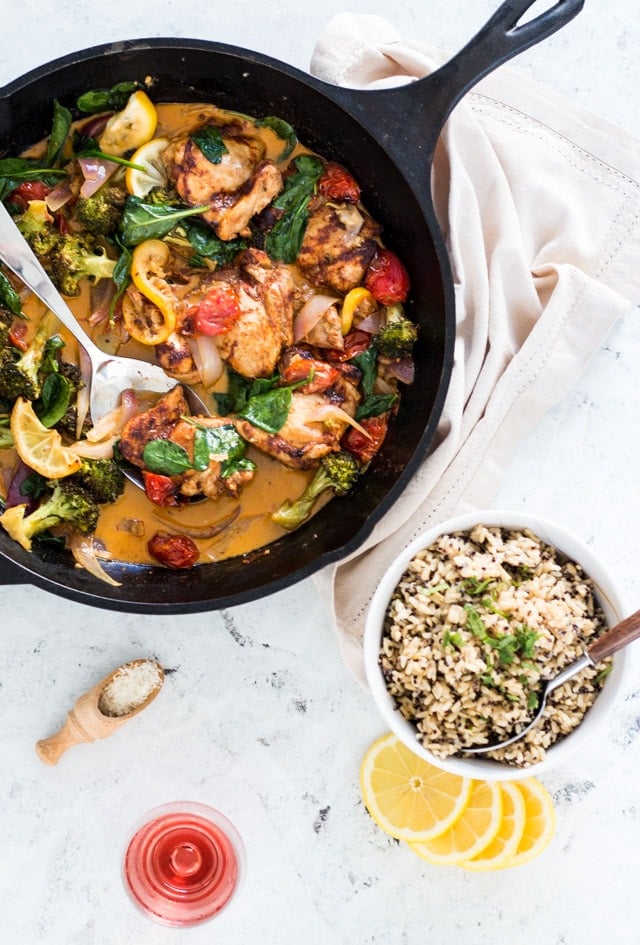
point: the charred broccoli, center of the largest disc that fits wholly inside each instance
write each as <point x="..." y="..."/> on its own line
<point x="103" y="479"/>
<point x="397" y="336"/>
<point x="100" y="213"/>
<point x="6" y="437"/>
<point x="337" y="471"/>
<point x="20" y="377"/>
<point x="66" y="257"/>
<point x="68" y="504"/>
<point x="6" y="321"/>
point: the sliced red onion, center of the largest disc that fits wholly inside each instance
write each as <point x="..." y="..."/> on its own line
<point x="403" y="370"/>
<point x="14" y="497"/>
<point x="310" y="314"/>
<point x="207" y="359"/>
<point x="327" y="413"/>
<point x="207" y="530"/>
<point x="59" y="196"/>
<point x="95" y="172"/>
<point x="94" y="126"/>
<point x="371" y="324"/>
<point x="85" y="553"/>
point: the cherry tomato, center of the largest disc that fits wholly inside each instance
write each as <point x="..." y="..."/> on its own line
<point x="387" y="279"/>
<point x="337" y="183"/>
<point x="362" y="447"/>
<point x="173" y="551"/>
<point x="354" y="343"/>
<point x="29" y="190"/>
<point x="161" y="490"/>
<point x="18" y="335"/>
<point x="324" y="375"/>
<point x="218" y="310"/>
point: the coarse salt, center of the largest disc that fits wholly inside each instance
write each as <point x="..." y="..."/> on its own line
<point x="129" y="687"/>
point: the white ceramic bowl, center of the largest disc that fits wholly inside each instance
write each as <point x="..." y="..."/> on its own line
<point x="608" y="596"/>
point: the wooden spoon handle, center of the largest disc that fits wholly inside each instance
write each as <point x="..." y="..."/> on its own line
<point x="53" y="748"/>
<point x="614" y="639"/>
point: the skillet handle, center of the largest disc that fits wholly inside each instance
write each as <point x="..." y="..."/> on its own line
<point x="498" y="41"/>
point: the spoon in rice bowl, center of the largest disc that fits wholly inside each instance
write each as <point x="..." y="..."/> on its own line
<point x="606" y="645"/>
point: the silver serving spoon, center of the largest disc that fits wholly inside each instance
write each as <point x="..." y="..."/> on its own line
<point x="110" y="374"/>
<point x="606" y="645"/>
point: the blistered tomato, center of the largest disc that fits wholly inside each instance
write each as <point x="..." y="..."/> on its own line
<point x="218" y="310"/>
<point x="364" y="448"/>
<point x="387" y="279"/>
<point x="338" y="184"/>
<point x="173" y="551"/>
<point x="161" y="490"/>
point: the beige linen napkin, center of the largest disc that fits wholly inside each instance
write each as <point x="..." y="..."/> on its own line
<point x="539" y="202"/>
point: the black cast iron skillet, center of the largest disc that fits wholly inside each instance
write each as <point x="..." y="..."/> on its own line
<point x="387" y="138"/>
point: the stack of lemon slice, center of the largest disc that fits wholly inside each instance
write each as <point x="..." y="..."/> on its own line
<point x="450" y="820"/>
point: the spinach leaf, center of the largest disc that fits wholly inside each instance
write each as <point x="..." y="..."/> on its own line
<point x="375" y="405"/>
<point x="285" y="238"/>
<point x="269" y="411"/>
<point x="121" y="278"/>
<point x="209" y="246"/>
<point x="59" y="133"/>
<point x="222" y="443"/>
<point x="210" y="142"/>
<point x="236" y="395"/>
<point x="372" y="405"/>
<point x="50" y="362"/>
<point x="14" y="171"/>
<point x="142" y="221"/>
<point x="107" y="100"/>
<point x="166" y="458"/>
<point x="34" y="486"/>
<point x="9" y="298"/>
<point x="283" y="130"/>
<point x="54" y="399"/>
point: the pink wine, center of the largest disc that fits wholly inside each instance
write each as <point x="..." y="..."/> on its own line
<point x="183" y="864"/>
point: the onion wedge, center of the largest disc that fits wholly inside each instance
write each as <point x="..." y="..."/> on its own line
<point x="85" y="553"/>
<point x="209" y="530"/>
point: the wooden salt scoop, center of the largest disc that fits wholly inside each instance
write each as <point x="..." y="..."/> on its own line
<point x="86" y="722"/>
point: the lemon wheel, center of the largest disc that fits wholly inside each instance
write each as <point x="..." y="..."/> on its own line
<point x="39" y="447"/>
<point x="406" y="796"/>
<point x="149" y="157"/>
<point x="471" y="832"/>
<point x="540" y="822"/>
<point x="505" y="843"/>
<point x="130" y="128"/>
<point x="150" y="324"/>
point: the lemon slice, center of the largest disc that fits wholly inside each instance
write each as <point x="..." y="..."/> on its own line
<point x="540" y="823"/>
<point x="506" y="841"/>
<point x="130" y="128"/>
<point x="39" y="447"/>
<point x="407" y="797"/>
<point x="149" y="156"/>
<point x="151" y="325"/>
<point x="470" y="833"/>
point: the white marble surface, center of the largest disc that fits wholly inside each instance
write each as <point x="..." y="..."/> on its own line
<point x="260" y="717"/>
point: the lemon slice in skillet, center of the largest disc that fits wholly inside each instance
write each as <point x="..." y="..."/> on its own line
<point x="130" y="128"/>
<point x="39" y="447"/>
<point x="154" y="174"/>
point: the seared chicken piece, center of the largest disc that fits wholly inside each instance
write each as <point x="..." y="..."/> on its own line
<point x="264" y="326"/>
<point x="175" y="356"/>
<point x="338" y="245"/>
<point x="313" y="428"/>
<point x="235" y="189"/>
<point x="209" y="481"/>
<point x="154" y="424"/>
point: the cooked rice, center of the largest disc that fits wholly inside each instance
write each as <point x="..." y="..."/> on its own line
<point x="477" y="623"/>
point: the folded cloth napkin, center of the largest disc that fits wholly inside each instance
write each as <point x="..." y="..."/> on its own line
<point x="539" y="202"/>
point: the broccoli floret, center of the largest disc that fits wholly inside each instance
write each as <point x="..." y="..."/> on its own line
<point x="67" y="504"/>
<point x="101" y="478"/>
<point x="21" y="377"/>
<point x="74" y="258"/>
<point x="6" y="321"/>
<point x="6" y="437"/>
<point x="337" y="471"/>
<point x="100" y="213"/>
<point x="397" y="336"/>
<point x="66" y="257"/>
<point x="166" y="196"/>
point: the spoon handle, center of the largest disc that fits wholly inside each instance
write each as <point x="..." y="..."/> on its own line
<point x="20" y="258"/>
<point x="614" y="639"/>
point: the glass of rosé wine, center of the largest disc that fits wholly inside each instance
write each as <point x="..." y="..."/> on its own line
<point x="183" y="863"/>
